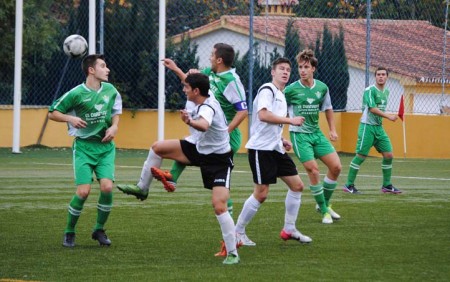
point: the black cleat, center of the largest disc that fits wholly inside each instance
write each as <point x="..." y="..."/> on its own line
<point x="69" y="240"/>
<point x="101" y="237"/>
<point x="351" y="189"/>
<point x="390" y="189"/>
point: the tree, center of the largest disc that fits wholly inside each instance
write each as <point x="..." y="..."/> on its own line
<point x="333" y="67"/>
<point x="185" y="56"/>
<point x="292" y="46"/>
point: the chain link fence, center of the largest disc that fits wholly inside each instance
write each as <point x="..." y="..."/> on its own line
<point x="350" y="39"/>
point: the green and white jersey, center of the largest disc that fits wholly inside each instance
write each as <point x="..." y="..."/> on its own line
<point x="307" y="102"/>
<point x="373" y="98"/>
<point x="228" y="91"/>
<point x="95" y="107"/>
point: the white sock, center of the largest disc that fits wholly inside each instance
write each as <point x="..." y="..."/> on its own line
<point x="227" y="226"/>
<point x="292" y="203"/>
<point x="146" y="175"/>
<point x="329" y="181"/>
<point x="249" y="210"/>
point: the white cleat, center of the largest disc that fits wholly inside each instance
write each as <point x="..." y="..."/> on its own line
<point x="241" y="238"/>
<point x="333" y="214"/>
<point x="296" y="235"/>
<point x="326" y="219"/>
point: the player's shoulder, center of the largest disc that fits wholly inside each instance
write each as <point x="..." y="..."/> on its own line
<point x="292" y="86"/>
<point x="320" y="84"/>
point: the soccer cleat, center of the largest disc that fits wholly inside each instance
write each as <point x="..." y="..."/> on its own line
<point x="242" y="239"/>
<point x="69" y="240"/>
<point x="133" y="190"/>
<point x="296" y="235"/>
<point x="334" y="215"/>
<point x="223" y="249"/>
<point x="351" y="189"/>
<point x="165" y="177"/>
<point x="390" y="189"/>
<point x="231" y="259"/>
<point x="101" y="237"/>
<point x="327" y="218"/>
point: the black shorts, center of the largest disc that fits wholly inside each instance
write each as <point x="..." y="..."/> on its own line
<point x="215" y="168"/>
<point x="266" y="166"/>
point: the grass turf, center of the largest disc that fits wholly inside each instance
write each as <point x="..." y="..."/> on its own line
<point x="173" y="236"/>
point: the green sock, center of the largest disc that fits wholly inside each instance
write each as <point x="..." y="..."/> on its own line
<point x="328" y="189"/>
<point x="176" y="170"/>
<point x="386" y="167"/>
<point x="354" y="169"/>
<point x="103" y="209"/>
<point x="317" y="191"/>
<point x="75" y="208"/>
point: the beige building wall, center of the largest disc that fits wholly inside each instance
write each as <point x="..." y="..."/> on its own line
<point x="426" y="136"/>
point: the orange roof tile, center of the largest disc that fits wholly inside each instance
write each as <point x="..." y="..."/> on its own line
<point x="406" y="47"/>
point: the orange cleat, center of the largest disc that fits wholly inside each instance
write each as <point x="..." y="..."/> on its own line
<point x="165" y="177"/>
<point x="223" y="249"/>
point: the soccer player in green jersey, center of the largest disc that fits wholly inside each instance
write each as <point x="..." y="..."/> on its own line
<point x="307" y="97"/>
<point x="371" y="133"/>
<point x="91" y="111"/>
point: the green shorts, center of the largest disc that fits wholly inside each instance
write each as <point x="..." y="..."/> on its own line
<point x="372" y="135"/>
<point x="93" y="156"/>
<point x="235" y="140"/>
<point x="310" y="146"/>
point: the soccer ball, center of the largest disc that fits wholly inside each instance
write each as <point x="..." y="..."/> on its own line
<point x="75" y="46"/>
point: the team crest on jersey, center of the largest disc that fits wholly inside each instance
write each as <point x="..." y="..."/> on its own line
<point x="98" y="107"/>
<point x="318" y="94"/>
<point x="310" y="100"/>
<point x="106" y="99"/>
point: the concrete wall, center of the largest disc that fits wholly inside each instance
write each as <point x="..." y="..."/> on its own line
<point x="426" y="136"/>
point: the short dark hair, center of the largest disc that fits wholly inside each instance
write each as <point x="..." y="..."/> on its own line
<point x="89" y="61"/>
<point x="307" y="55"/>
<point x="280" y="60"/>
<point x="381" y="69"/>
<point x="200" y="81"/>
<point x="226" y="52"/>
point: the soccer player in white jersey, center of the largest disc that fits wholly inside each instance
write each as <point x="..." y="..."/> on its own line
<point x="92" y="112"/>
<point x="268" y="158"/>
<point x="306" y="97"/>
<point x="211" y="152"/>
<point x="371" y="133"/>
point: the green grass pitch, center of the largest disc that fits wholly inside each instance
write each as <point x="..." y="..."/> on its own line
<point x="173" y="236"/>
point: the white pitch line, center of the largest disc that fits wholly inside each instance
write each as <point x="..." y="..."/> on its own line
<point x="247" y="171"/>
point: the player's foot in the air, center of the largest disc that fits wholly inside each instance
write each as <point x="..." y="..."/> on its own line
<point x="351" y="189"/>
<point x="69" y="240"/>
<point x="390" y="189"/>
<point x="134" y="190"/>
<point x="101" y="237"/>
<point x="165" y="177"/>
<point x="231" y="259"/>
<point x="295" y="235"/>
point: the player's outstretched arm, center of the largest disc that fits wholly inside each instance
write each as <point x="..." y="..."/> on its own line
<point x="170" y="64"/>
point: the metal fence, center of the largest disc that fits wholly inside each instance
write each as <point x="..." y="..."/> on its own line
<point x="350" y="39"/>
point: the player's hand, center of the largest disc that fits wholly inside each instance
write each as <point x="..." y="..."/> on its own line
<point x="333" y="136"/>
<point x="110" y="133"/>
<point x="297" y="121"/>
<point x="77" y="122"/>
<point x="169" y="63"/>
<point x="185" y="117"/>
<point x="393" y="117"/>
<point x="287" y="144"/>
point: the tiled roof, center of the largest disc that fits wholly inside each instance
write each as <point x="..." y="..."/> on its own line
<point x="406" y="47"/>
